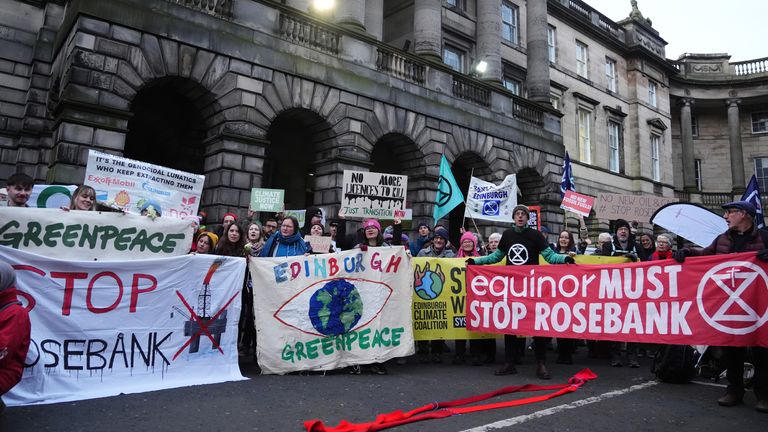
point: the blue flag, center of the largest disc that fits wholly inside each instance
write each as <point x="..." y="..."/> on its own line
<point x="752" y="194"/>
<point x="567" y="182"/>
<point x="448" y="193"/>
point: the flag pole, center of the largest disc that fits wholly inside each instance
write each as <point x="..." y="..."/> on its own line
<point x="464" y="216"/>
<point x="477" y="230"/>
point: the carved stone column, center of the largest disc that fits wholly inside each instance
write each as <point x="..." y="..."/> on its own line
<point x="737" y="153"/>
<point x="686" y="133"/>
<point x="374" y="18"/>
<point x="351" y="14"/>
<point x="537" y="78"/>
<point x="427" y="22"/>
<point x="489" y="38"/>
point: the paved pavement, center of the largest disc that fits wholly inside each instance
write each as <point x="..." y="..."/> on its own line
<point x="620" y="399"/>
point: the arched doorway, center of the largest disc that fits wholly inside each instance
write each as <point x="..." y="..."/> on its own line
<point x="467" y="165"/>
<point x="395" y="153"/>
<point x="167" y="127"/>
<point x="296" y="137"/>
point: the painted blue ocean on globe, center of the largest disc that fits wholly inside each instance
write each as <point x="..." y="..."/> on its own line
<point x="335" y="308"/>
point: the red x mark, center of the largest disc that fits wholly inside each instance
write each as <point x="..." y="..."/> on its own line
<point x="203" y="327"/>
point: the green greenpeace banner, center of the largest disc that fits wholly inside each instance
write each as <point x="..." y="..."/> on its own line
<point x="92" y="236"/>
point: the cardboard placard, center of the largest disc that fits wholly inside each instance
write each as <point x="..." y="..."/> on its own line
<point x="630" y="207"/>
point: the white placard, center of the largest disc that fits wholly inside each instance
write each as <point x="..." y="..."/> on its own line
<point x="373" y="195"/>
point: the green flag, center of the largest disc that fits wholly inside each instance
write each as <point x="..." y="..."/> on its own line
<point x="448" y="193"/>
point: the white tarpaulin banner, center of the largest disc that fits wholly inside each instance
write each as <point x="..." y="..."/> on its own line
<point x="90" y="235"/>
<point x="101" y="329"/>
<point x="488" y="201"/>
<point x="50" y="196"/>
<point x="323" y="312"/>
<point x="129" y="184"/>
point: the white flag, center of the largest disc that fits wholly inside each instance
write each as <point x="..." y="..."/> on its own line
<point x="488" y="201"/>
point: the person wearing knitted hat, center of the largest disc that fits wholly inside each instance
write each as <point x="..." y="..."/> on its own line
<point x="522" y="245"/>
<point x="623" y="243"/>
<point x="206" y="242"/>
<point x="438" y="248"/>
<point x="14" y="332"/>
<point x="424" y="236"/>
<point x="467" y="248"/>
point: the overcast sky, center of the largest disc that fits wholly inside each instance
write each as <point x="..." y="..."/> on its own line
<point x="738" y="27"/>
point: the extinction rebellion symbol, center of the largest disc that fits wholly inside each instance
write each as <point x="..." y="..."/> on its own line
<point x="518" y="254"/>
<point x="732" y="297"/>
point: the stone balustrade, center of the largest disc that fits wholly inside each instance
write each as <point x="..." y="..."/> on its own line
<point x="398" y="65"/>
<point x="751" y="67"/>
<point x="313" y="34"/>
<point x="471" y="90"/>
<point x="220" y="8"/>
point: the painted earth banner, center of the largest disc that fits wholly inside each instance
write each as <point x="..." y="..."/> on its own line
<point x="90" y="235"/>
<point x="488" y="201"/>
<point x="105" y="328"/>
<point x="373" y="195"/>
<point x="324" y="312"/>
<point x="129" y="184"/>
<point x="439" y="300"/>
<point x="717" y="300"/>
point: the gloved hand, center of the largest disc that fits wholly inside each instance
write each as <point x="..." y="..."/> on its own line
<point x="680" y="255"/>
<point x="470" y="261"/>
<point x="570" y="260"/>
<point x="762" y="255"/>
<point x="631" y="256"/>
<point x="364" y="247"/>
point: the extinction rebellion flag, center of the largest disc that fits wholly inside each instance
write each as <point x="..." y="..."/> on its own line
<point x="713" y="300"/>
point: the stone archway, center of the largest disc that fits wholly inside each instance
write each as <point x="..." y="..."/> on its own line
<point x="167" y="127"/>
<point x="465" y="166"/>
<point x="396" y="153"/>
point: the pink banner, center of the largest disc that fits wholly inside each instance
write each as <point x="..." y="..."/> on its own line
<point x="714" y="300"/>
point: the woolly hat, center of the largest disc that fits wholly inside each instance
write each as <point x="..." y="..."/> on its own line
<point x="521" y="207"/>
<point x="212" y="237"/>
<point x="7" y="276"/>
<point x="442" y="232"/>
<point x="371" y="223"/>
<point x="468" y="236"/>
<point x="621" y="223"/>
<point x="424" y="224"/>
<point x="234" y="216"/>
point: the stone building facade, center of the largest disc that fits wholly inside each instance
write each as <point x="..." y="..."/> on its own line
<point x="260" y="93"/>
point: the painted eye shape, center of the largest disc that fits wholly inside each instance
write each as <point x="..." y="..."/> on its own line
<point x="331" y="307"/>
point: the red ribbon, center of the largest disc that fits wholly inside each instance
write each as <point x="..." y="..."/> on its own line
<point x="437" y="410"/>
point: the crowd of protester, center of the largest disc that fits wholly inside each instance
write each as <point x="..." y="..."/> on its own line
<point x="281" y="236"/>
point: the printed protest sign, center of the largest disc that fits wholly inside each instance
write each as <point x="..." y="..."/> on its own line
<point x="129" y="184"/>
<point x="630" y="207"/>
<point x="323" y="312"/>
<point x="488" y="201"/>
<point x="50" y="196"/>
<point x="371" y="194"/>
<point x="534" y="217"/>
<point x="577" y="203"/>
<point x="320" y="244"/>
<point x="712" y="300"/>
<point x="90" y="235"/>
<point x="269" y="200"/>
<point x="101" y="329"/>
<point x="439" y="300"/>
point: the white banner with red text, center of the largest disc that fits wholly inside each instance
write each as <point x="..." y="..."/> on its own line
<point x="714" y="300"/>
<point x="323" y="312"/>
<point x="105" y="328"/>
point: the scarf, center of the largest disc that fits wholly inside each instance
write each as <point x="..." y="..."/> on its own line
<point x="280" y="246"/>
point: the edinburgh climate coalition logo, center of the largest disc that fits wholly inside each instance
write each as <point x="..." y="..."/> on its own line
<point x="428" y="284"/>
<point x="733" y="297"/>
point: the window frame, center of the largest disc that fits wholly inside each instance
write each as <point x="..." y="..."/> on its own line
<point x="694" y="126"/>
<point x="653" y="94"/>
<point x="512" y="80"/>
<point x="614" y="153"/>
<point x="655" y="157"/>
<point x="461" y="54"/>
<point x="762" y="181"/>
<point x="763" y="121"/>
<point x="584" y="134"/>
<point x="610" y="74"/>
<point x="458" y="4"/>
<point x="513" y="26"/>
<point x="697" y="174"/>
<point x="552" y="43"/>
<point x="582" y="64"/>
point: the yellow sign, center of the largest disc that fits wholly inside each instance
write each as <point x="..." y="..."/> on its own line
<point x="439" y="297"/>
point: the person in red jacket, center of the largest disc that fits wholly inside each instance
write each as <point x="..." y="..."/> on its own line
<point x="663" y="248"/>
<point x="14" y="332"/>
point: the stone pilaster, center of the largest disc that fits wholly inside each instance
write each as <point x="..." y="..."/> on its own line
<point x="351" y="14"/>
<point x="427" y="22"/>
<point x="537" y="79"/>
<point x="374" y="18"/>
<point x="737" y="152"/>
<point x="686" y="133"/>
<point x="489" y="38"/>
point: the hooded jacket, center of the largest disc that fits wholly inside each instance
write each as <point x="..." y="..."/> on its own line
<point x="14" y="332"/>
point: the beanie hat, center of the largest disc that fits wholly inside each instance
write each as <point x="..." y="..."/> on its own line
<point x="371" y="223"/>
<point x="521" y="207"/>
<point x="212" y="237"/>
<point x="424" y="224"/>
<point x="234" y="216"/>
<point x="621" y="223"/>
<point x="468" y="236"/>
<point x="441" y="232"/>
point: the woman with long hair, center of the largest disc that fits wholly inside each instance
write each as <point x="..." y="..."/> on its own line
<point x="287" y="241"/>
<point x="254" y="239"/>
<point x="233" y="242"/>
<point x="83" y="199"/>
<point x="206" y="243"/>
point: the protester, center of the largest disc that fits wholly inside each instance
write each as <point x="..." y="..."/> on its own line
<point x="439" y="247"/>
<point x="646" y="247"/>
<point x="247" y="331"/>
<point x="314" y="215"/>
<point x="227" y="220"/>
<point x="270" y="227"/>
<point x="566" y="244"/>
<point x="232" y="244"/>
<point x="742" y="235"/>
<point x="467" y="248"/>
<point x="14" y="332"/>
<point x="423" y="237"/>
<point x="663" y="248"/>
<point x="286" y="242"/>
<point x="254" y="241"/>
<point x="19" y="188"/>
<point x="533" y="244"/>
<point x="206" y="242"/>
<point x="84" y="199"/>
<point x="493" y="243"/>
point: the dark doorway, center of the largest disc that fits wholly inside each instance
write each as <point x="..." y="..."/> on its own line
<point x="167" y="128"/>
<point x="464" y="167"/>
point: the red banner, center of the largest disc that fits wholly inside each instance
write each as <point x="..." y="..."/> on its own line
<point x="714" y="300"/>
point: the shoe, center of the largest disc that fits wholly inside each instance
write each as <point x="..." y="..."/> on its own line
<point x="616" y="363"/>
<point x="731" y="399"/>
<point x="507" y="369"/>
<point x="437" y="359"/>
<point x="354" y="370"/>
<point x="378" y="370"/>
<point x="458" y="359"/>
<point x="634" y="364"/>
<point x="541" y="371"/>
<point x="762" y="406"/>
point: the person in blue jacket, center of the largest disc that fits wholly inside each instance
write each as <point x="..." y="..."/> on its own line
<point x="286" y="242"/>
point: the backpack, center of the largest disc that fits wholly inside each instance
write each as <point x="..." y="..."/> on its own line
<point x="675" y="363"/>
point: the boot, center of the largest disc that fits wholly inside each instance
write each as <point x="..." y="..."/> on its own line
<point x="762" y="405"/>
<point x="506" y="369"/>
<point x="541" y="371"/>
<point x="731" y="398"/>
